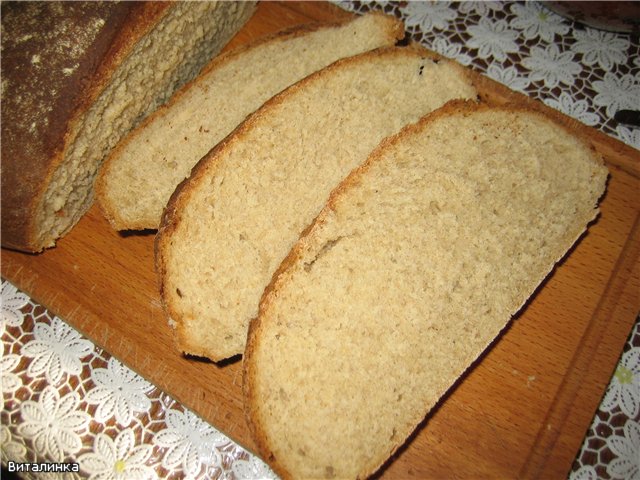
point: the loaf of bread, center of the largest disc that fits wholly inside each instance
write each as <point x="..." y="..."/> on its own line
<point x="230" y="224"/>
<point x="76" y="76"/>
<point x="415" y="265"/>
<point x="140" y="175"/>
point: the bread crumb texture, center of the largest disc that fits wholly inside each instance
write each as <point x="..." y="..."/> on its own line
<point x="235" y="219"/>
<point x="140" y="176"/>
<point x="145" y="64"/>
<point x="415" y="266"/>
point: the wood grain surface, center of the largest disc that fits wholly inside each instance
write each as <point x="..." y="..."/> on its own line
<point x="521" y="411"/>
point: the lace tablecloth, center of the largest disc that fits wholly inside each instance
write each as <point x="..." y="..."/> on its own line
<point x="64" y="398"/>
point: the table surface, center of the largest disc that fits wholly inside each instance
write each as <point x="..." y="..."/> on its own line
<point x="70" y="333"/>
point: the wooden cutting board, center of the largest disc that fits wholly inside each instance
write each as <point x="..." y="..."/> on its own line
<point x="521" y="411"/>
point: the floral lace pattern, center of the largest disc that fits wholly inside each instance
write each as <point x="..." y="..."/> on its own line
<point x="118" y="458"/>
<point x="12" y="302"/>
<point x="65" y="399"/>
<point x="53" y="423"/>
<point x="611" y="449"/>
<point x="119" y="393"/>
<point x="57" y="349"/>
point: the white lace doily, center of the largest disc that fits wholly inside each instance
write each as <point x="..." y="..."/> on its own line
<point x="66" y="400"/>
<point x="611" y="448"/>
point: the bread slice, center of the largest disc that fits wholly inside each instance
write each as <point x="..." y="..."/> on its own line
<point x="76" y="76"/>
<point x="418" y="261"/>
<point x="228" y="227"/>
<point x="142" y="173"/>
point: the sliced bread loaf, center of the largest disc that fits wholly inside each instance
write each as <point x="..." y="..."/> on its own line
<point x="142" y="173"/>
<point x="76" y="76"/>
<point x="230" y="224"/>
<point x="418" y="261"/>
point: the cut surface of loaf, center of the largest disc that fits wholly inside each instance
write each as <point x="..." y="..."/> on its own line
<point x="230" y="224"/>
<point x="414" y="266"/>
<point x="140" y="175"/>
<point x="94" y="70"/>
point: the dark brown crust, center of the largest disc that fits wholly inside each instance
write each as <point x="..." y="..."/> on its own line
<point x="171" y="217"/>
<point x="396" y="30"/>
<point x="29" y="158"/>
<point x="463" y="107"/>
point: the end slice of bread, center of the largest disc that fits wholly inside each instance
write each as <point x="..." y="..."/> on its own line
<point x="138" y="178"/>
<point x="76" y="78"/>
<point x="416" y="264"/>
<point x="230" y="224"/>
